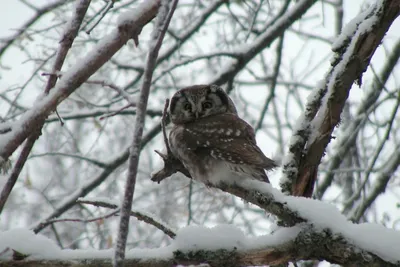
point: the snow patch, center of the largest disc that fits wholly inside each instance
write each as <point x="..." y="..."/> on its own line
<point x="199" y="237"/>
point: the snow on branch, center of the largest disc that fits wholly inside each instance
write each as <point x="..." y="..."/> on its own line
<point x="353" y="50"/>
<point x="370" y="243"/>
<point x="75" y="77"/>
<point x="223" y="245"/>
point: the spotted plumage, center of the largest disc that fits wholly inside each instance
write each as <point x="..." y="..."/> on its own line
<point x="211" y="140"/>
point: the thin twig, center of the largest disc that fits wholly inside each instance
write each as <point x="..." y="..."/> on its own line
<point x="164" y="17"/>
<point x="109" y="6"/>
<point x="115" y="112"/>
<point x="59" y="118"/>
<point x="77" y="75"/>
<point x="113" y="213"/>
<point x="137" y="214"/>
<point x="121" y="92"/>
<point x="112" y="165"/>
<point x="164" y="124"/>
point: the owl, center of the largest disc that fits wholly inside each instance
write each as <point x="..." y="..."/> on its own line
<point x="210" y="140"/>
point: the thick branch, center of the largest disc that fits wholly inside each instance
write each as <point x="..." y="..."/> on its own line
<point x="353" y="57"/>
<point x="286" y="245"/>
<point x="350" y="133"/>
<point x="74" y="77"/>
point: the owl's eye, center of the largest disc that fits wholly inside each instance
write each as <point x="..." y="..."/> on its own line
<point x="187" y="106"/>
<point x="207" y="105"/>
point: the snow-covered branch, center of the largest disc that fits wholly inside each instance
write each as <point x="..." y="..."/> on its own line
<point x="353" y="51"/>
<point x="349" y="134"/>
<point x="76" y="76"/>
<point x="71" y="31"/>
<point x="225" y="245"/>
<point x="311" y="214"/>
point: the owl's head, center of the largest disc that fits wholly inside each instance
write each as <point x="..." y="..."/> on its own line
<point x="199" y="101"/>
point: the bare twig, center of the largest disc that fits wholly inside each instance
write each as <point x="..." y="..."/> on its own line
<point x="59" y="118"/>
<point x="96" y="181"/>
<point x="164" y="18"/>
<point x="36" y="17"/>
<point x="280" y="24"/>
<point x="67" y="40"/>
<point x="163" y="125"/>
<point x="104" y="11"/>
<point x="115" y="112"/>
<point x="106" y="216"/>
<point x="121" y="92"/>
<point x="137" y="214"/>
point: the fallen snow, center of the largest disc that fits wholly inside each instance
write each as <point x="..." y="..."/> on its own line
<point x="372" y="237"/>
<point x="368" y="236"/>
<point x="350" y="28"/>
<point x="26" y="242"/>
<point x="187" y="239"/>
<point x="131" y="16"/>
<point x="198" y="237"/>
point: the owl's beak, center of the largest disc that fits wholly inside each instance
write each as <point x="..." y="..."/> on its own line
<point x="196" y="114"/>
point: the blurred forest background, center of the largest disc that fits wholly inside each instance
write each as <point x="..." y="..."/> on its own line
<point x="207" y="42"/>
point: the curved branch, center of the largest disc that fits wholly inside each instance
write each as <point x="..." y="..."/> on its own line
<point x="346" y="141"/>
<point x="353" y="54"/>
<point x="141" y="216"/>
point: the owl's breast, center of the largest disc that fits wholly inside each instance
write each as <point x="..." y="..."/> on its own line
<point x="185" y="147"/>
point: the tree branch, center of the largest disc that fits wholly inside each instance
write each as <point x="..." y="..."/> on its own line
<point x="353" y="55"/>
<point x="65" y="43"/>
<point x="96" y="181"/>
<point x="75" y="77"/>
<point x="283" y="246"/>
<point x="164" y="17"/>
<point x="141" y="216"/>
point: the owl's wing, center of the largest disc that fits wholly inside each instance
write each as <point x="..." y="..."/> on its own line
<point x="229" y="138"/>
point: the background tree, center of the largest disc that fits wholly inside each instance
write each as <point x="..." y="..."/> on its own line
<point x="275" y="59"/>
